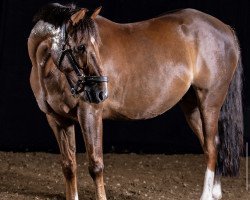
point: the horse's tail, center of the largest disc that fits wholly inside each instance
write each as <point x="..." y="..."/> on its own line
<point x="231" y="127"/>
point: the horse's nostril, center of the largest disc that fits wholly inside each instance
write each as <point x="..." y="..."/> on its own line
<point x="101" y="96"/>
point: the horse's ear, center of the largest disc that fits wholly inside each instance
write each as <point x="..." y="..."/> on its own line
<point x="79" y="15"/>
<point x="96" y="12"/>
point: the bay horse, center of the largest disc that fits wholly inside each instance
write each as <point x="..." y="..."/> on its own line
<point x="86" y="68"/>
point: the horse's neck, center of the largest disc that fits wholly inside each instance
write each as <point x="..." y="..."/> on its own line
<point x="52" y="85"/>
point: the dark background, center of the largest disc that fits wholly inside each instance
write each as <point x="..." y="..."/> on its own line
<point x="23" y="126"/>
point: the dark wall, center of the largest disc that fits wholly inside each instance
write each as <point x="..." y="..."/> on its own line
<point x="22" y="125"/>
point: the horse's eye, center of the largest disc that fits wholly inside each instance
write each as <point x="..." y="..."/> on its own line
<point x="81" y="48"/>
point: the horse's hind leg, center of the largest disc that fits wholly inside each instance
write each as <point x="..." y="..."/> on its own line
<point x="65" y="135"/>
<point x="210" y="102"/>
<point x="191" y="109"/>
<point x="189" y="106"/>
<point x="217" y="191"/>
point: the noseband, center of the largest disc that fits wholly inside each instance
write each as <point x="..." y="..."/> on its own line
<point x="78" y="87"/>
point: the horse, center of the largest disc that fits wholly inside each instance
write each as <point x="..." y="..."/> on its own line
<point x="86" y="68"/>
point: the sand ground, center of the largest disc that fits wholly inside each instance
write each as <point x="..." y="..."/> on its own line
<point x="26" y="176"/>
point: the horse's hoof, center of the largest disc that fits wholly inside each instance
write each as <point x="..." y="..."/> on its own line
<point x="217" y="194"/>
<point x="217" y="197"/>
<point x="207" y="197"/>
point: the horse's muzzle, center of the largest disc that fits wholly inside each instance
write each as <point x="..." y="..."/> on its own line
<point x="95" y="95"/>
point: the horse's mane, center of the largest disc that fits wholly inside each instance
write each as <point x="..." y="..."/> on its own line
<point x="58" y="14"/>
<point x="55" y="13"/>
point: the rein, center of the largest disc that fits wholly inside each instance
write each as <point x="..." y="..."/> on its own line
<point x="78" y="87"/>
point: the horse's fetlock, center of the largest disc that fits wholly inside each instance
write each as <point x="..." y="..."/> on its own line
<point x="96" y="169"/>
<point x="69" y="169"/>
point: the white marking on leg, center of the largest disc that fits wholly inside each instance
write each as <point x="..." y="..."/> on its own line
<point x="217" y="140"/>
<point x="208" y="185"/>
<point x="217" y="192"/>
<point x="76" y="196"/>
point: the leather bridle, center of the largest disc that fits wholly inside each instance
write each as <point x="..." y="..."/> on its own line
<point x="78" y="87"/>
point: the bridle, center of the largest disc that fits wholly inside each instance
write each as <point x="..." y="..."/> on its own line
<point x="78" y="87"/>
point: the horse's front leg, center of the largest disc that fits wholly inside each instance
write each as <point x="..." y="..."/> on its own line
<point x="90" y="120"/>
<point x="65" y="136"/>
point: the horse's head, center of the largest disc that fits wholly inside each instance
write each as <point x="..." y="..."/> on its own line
<point x="75" y="49"/>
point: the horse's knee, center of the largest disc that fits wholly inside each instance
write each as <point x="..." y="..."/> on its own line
<point x="69" y="169"/>
<point x="96" y="169"/>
